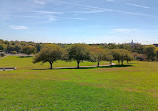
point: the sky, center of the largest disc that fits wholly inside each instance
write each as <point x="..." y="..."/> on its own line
<point x="79" y="21"/>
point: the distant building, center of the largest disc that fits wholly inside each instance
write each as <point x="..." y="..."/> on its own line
<point x="132" y="43"/>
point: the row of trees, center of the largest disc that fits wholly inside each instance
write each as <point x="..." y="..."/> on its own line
<point x="140" y="52"/>
<point x="81" y="52"/>
<point x="18" y="46"/>
<point x="10" y="46"/>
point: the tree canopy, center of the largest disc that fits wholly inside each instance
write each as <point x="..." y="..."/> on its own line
<point x="97" y="54"/>
<point x="150" y="51"/>
<point x="29" y="50"/>
<point x="49" y="53"/>
<point x="79" y="52"/>
<point x="121" y="55"/>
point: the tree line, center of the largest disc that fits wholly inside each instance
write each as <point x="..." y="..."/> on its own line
<point x="139" y="52"/>
<point x="81" y="52"/>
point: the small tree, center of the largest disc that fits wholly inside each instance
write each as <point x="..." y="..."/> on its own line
<point x="97" y="55"/>
<point x="117" y="54"/>
<point x="78" y="52"/>
<point x="49" y="53"/>
<point x="109" y="57"/>
<point x="2" y="54"/>
<point x="121" y="55"/>
<point x="29" y="50"/>
<point x="129" y="57"/>
<point x="150" y="52"/>
<point x="3" y="47"/>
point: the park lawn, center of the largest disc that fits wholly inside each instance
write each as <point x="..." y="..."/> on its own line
<point x="35" y="87"/>
<point x="24" y="62"/>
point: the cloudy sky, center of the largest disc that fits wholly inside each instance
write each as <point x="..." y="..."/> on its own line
<point x="77" y="21"/>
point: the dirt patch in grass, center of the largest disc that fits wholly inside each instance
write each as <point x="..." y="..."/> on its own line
<point x="132" y="90"/>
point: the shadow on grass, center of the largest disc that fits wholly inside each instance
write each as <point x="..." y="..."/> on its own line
<point x="86" y="67"/>
<point x="24" y="56"/>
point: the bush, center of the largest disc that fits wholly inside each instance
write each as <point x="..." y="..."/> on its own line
<point x="2" y="54"/>
<point x="14" y="52"/>
<point x="141" y="57"/>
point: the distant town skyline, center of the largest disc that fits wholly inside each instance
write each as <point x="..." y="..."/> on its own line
<point x="79" y="21"/>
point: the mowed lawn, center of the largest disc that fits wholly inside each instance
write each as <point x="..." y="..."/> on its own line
<point x="35" y="87"/>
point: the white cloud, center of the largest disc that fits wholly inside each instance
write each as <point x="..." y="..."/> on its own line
<point x="42" y="2"/>
<point x="18" y="27"/>
<point x="52" y="18"/>
<point x="122" y="30"/>
<point x="47" y="12"/>
<point x="109" y="0"/>
<point x="136" y="5"/>
<point x="76" y="18"/>
<point x="92" y="9"/>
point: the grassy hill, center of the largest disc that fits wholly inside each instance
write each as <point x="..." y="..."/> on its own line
<point x="35" y="87"/>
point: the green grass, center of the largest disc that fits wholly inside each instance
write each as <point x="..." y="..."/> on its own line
<point x="106" y="88"/>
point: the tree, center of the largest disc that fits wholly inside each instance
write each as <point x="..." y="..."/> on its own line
<point x="3" y="47"/>
<point x="29" y="50"/>
<point x="116" y="54"/>
<point x="150" y="52"/>
<point x="109" y="57"/>
<point x="97" y="54"/>
<point x="156" y="52"/>
<point x="129" y="57"/>
<point x="121" y="55"/>
<point x="49" y="53"/>
<point x="39" y="46"/>
<point x="138" y="48"/>
<point x="78" y="52"/>
<point x="17" y="48"/>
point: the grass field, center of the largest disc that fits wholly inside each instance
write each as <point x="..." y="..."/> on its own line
<point x="35" y="87"/>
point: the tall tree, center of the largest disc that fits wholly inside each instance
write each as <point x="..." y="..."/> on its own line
<point x="49" y="53"/>
<point x="79" y="52"/>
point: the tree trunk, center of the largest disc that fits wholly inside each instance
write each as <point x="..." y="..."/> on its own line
<point x="78" y="63"/>
<point x="122" y="62"/>
<point x="118" y="62"/>
<point x="110" y="62"/>
<point x="98" y="64"/>
<point x="50" y="65"/>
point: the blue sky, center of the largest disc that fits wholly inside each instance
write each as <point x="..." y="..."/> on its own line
<point x="78" y="21"/>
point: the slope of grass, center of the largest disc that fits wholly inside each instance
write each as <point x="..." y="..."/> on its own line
<point x="106" y="88"/>
<point x="54" y="95"/>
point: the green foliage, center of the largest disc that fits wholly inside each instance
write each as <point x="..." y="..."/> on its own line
<point x="14" y="52"/>
<point x="3" y="47"/>
<point x="50" y="53"/>
<point x="121" y="55"/>
<point x="39" y="46"/>
<point x="125" y="46"/>
<point x="150" y="52"/>
<point x="109" y="57"/>
<point x="138" y="48"/>
<point x="97" y="54"/>
<point x="79" y="52"/>
<point x="29" y="50"/>
<point x="2" y="54"/>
